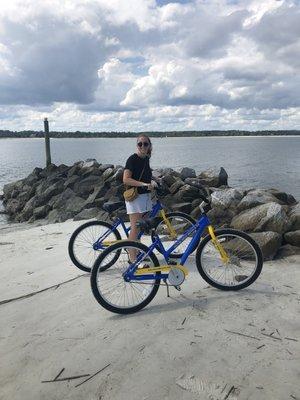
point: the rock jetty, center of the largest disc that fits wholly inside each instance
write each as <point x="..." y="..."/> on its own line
<point x="80" y="191"/>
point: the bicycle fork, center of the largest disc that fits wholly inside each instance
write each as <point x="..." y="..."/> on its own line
<point x="217" y="244"/>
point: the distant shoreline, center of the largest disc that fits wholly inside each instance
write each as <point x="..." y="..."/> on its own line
<point x="6" y="134"/>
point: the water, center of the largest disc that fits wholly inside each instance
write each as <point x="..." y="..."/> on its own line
<point x="249" y="161"/>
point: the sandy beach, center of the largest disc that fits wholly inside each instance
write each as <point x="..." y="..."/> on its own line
<point x="200" y="343"/>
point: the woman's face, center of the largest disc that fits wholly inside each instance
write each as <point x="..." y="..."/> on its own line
<point x="143" y="146"/>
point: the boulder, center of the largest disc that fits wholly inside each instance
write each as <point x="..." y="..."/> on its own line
<point x="87" y="214"/>
<point x="13" y="206"/>
<point x="183" y="207"/>
<point x="50" y="169"/>
<point x="108" y="174"/>
<point x="294" y="215"/>
<point x="104" y="167"/>
<point x="15" y="187"/>
<point x="70" y="182"/>
<point x="41" y="212"/>
<point x="269" y="242"/>
<point x="267" y="217"/>
<point x="187" y="173"/>
<point x="74" y="205"/>
<point x="52" y="190"/>
<point x="285" y="198"/>
<point x="255" y="198"/>
<point x="75" y="170"/>
<point x="169" y="179"/>
<point x="60" y="200"/>
<point x="214" y="177"/>
<point x="186" y="193"/>
<point x="288" y="250"/>
<point x="292" y="238"/>
<point x="176" y="186"/>
<point x="86" y="186"/>
<point x="113" y="205"/>
<point x="59" y="216"/>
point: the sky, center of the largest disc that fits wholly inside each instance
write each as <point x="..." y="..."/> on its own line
<point x="150" y="65"/>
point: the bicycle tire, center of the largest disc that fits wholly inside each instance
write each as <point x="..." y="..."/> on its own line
<point x="170" y="215"/>
<point x="97" y="268"/>
<point x="237" y="234"/>
<point x="74" y="236"/>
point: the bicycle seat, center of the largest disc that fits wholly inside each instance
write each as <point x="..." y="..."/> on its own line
<point x="146" y="225"/>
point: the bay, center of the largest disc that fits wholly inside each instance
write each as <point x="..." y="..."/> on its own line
<point x="260" y="162"/>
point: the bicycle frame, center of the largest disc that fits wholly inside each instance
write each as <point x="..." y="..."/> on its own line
<point x="156" y="209"/>
<point x="198" y="228"/>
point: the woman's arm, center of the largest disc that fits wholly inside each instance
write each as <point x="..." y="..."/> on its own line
<point x="127" y="180"/>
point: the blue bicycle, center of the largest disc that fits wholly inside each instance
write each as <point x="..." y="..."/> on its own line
<point x="91" y="238"/>
<point x="226" y="259"/>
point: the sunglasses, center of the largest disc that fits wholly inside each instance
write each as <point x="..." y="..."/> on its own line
<point x="145" y="144"/>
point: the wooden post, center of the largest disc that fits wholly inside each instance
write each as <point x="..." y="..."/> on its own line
<point x="47" y="142"/>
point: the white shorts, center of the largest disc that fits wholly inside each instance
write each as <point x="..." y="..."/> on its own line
<point x="141" y="204"/>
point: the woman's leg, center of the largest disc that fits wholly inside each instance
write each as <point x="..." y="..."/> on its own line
<point x="134" y="231"/>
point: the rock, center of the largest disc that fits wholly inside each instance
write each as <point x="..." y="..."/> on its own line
<point x="74" y="205"/>
<point x="267" y="217"/>
<point x="27" y="211"/>
<point x="60" y="200"/>
<point x="75" y="170"/>
<point x="292" y="238"/>
<point x="183" y="207"/>
<point x="90" y="162"/>
<point x="287" y="250"/>
<point x="113" y="205"/>
<point x="187" y="173"/>
<point x="256" y="198"/>
<point x="283" y="197"/>
<point x="103" y="216"/>
<point x="70" y="182"/>
<point x="53" y="190"/>
<point x="13" y="206"/>
<point x="169" y="179"/>
<point x="226" y="199"/>
<point x="269" y="242"/>
<point x="294" y="215"/>
<point x="59" y="216"/>
<point x="15" y="187"/>
<point x="87" y="214"/>
<point x="187" y="193"/>
<point x="104" y="167"/>
<point x="86" y="186"/>
<point x="107" y="174"/>
<point x="176" y="186"/>
<point x="214" y="177"/>
<point x="41" y="212"/>
<point x="50" y="169"/>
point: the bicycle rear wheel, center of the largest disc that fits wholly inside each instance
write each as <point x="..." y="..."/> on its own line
<point x="81" y="245"/>
<point x="244" y="265"/>
<point x="109" y="286"/>
<point x="180" y="223"/>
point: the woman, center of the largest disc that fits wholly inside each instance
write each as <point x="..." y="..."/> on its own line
<point x="138" y="173"/>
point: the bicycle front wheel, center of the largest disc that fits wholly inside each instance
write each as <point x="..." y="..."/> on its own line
<point x="84" y="246"/>
<point x="244" y="264"/>
<point x="109" y="286"/>
<point x="180" y="222"/>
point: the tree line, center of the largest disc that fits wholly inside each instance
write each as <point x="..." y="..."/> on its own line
<point x="79" y="134"/>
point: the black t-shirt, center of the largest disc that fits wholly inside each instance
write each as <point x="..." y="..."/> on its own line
<point x="136" y="164"/>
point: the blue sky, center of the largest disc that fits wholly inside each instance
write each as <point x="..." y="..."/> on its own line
<point x="141" y="65"/>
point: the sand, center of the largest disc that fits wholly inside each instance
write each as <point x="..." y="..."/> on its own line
<point x="200" y="343"/>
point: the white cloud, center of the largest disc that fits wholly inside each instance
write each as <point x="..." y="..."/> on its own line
<point x="135" y="64"/>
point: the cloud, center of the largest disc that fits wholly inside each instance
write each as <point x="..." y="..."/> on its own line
<point x="151" y="63"/>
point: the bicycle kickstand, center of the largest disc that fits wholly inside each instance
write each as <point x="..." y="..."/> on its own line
<point x="167" y="285"/>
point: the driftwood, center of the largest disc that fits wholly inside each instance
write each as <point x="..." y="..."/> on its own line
<point x="242" y="334"/>
<point x="92" y="376"/>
